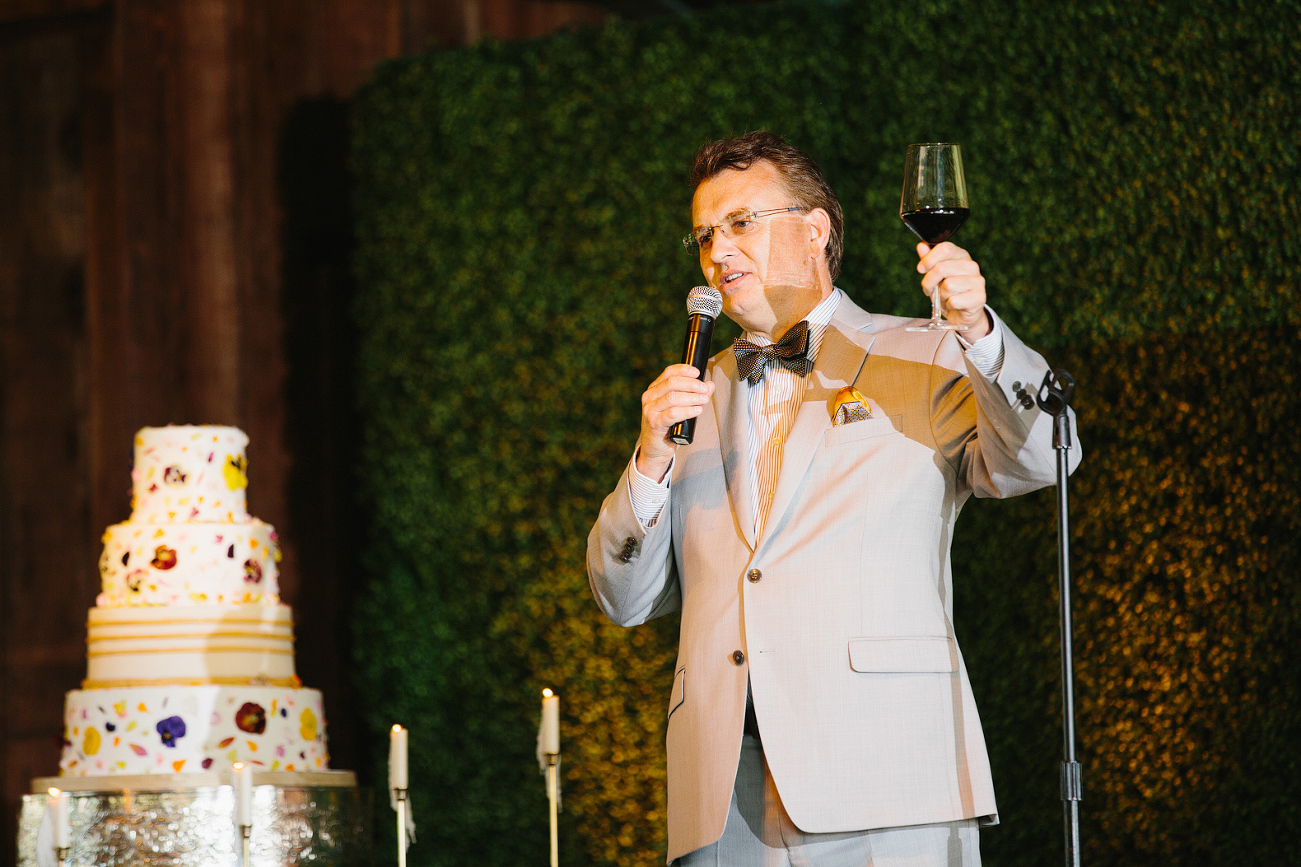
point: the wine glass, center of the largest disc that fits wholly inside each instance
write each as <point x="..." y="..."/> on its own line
<point x="934" y="205"/>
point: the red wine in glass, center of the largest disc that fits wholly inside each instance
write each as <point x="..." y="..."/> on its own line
<point x="933" y="205"/>
<point x="935" y="225"/>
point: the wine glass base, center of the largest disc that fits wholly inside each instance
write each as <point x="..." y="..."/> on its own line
<point x="935" y="325"/>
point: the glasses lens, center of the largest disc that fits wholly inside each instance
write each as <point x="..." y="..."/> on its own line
<point x="732" y="225"/>
<point x="739" y="224"/>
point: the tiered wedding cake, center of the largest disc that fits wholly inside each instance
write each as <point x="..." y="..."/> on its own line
<point x="190" y="653"/>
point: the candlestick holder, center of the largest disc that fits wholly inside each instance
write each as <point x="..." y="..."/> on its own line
<point x="401" y="796"/>
<point x="61" y="853"/>
<point x="553" y="802"/>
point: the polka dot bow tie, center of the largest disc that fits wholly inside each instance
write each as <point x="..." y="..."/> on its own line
<point x="791" y="352"/>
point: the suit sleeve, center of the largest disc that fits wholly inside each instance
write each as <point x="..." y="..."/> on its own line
<point x="998" y="447"/>
<point x="631" y="569"/>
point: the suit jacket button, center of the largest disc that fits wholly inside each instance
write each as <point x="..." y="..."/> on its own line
<point x="738" y="657"/>
<point x="754" y="575"/>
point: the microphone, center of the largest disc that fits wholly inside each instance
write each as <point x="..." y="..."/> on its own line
<point x="704" y="303"/>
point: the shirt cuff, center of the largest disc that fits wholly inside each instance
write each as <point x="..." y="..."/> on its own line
<point x="987" y="352"/>
<point x="647" y="496"/>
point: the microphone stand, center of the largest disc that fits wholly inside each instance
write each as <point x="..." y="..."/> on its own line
<point x="1055" y="397"/>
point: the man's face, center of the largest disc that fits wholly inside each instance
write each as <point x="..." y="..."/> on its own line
<point x="769" y="273"/>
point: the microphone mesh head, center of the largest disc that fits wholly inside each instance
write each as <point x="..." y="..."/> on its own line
<point x="706" y="300"/>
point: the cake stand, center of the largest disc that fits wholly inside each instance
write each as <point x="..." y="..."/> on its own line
<point x="188" y="820"/>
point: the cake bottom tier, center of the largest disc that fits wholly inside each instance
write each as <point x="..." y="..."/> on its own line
<point x="184" y="729"/>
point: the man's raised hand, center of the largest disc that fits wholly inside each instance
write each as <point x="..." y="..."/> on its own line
<point x="676" y="394"/>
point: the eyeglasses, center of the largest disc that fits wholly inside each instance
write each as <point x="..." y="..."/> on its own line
<point x="733" y="225"/>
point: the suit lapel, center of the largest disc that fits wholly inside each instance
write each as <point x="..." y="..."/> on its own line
<point x="840" y="358"/>
<point x="730" y="412"/>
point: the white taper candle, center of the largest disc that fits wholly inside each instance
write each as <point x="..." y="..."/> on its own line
<point x="397" y="758"/>
<point x="550" y="722"/>
<point x="242" y="782"/>
<point x="62" y="820"/>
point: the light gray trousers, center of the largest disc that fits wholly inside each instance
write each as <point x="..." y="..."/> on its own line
<point x="759" y="833"/>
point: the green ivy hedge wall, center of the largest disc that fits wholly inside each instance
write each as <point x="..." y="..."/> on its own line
<point x="1132" y="169"/>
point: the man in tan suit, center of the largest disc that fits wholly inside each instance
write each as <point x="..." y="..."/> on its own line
<point x="820" y="712"/>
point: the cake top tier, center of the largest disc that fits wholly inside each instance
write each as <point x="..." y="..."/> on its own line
<point x="188" y="473"/>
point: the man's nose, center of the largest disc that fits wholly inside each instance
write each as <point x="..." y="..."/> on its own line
<point x="721" y="247"/>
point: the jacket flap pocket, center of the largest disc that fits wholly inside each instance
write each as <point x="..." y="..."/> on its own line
<point x="859" y="430"/>
<point x="937" y="653"/>
<point x="678" y="694"/>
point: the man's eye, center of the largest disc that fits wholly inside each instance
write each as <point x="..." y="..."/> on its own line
<point x="704" y="237"/>
<point x="740" y="224"/>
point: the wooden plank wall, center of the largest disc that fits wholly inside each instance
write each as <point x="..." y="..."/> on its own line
<point x="47" y="547"/>
<point x="174" y="247"/>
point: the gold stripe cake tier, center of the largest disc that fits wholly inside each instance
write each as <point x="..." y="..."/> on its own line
<point x="190" y="644"/>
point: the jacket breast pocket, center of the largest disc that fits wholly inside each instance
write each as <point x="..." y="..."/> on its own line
<point x="910" y="654"/>
<point x="860" y="430"/>
<point x="678" y="695"/>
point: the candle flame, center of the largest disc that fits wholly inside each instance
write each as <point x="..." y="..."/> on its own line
<point x="54" y="793"/>
<point x="239" y="766"/>
<point x="397" y="728"/>
<point x="546" y="693"/>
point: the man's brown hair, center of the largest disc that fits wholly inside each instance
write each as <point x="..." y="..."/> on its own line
<point x="804" y="181"/>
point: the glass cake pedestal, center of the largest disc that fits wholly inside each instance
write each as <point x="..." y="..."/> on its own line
<point x="188" y="820"/>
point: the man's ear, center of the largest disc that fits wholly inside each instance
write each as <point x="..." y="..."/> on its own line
<point x="819" y="231"/>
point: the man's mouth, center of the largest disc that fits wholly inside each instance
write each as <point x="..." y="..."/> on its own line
<point x="732" y="276"/>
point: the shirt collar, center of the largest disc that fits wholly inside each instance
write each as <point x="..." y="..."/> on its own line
<point x="819" y="318"/>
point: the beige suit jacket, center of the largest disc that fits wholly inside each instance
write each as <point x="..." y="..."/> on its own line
<point x="840" y="613"/>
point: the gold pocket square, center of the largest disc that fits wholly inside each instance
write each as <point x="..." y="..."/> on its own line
<point x="850" y="406"/>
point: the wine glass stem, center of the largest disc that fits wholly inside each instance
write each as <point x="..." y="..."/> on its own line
<point x="935" y="305"/>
